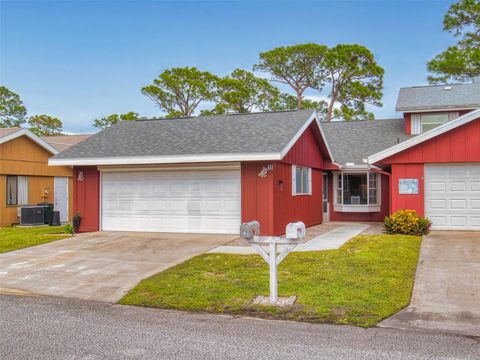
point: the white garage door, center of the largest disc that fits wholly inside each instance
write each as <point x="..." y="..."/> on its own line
<point x="452" y="196"/>
<point x="172" y="201"/>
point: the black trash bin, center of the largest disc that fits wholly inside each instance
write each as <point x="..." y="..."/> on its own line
<point x="48" y="209"/>
<point x="55" y="218"/>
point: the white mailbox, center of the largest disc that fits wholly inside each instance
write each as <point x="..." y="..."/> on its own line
<point x="249" y="230"/>
<point x="295" y="230"/>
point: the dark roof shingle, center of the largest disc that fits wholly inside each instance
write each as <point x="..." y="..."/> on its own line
<point x="353" y="141"/>
<point x="439" y="97"/>
<point x="252" y="133"/>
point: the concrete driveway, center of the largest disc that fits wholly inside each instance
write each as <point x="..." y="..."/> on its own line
<point x="446" y="294"/>
<point x="99" y="266"/>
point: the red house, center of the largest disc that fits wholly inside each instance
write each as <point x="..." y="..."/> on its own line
<point x="209" y="174"/>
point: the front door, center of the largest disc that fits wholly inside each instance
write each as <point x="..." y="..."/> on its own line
<point x="61" y="197"/>
<point x="326" y="213"/>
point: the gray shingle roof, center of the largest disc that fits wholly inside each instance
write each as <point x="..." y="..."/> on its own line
<point x="353" y="141"/>
<point x="226" y="134"/>
<point x="439" y="97"/>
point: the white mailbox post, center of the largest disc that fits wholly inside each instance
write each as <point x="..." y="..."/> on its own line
<point x="295" y="233"/>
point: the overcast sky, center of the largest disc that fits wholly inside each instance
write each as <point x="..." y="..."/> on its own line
<point x="79" y="60"/>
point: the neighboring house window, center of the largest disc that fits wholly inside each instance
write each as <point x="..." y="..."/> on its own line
<point x="428" y="121"/>
<point x="17" y="190"/>
<point x="356" y="190"/>
<point x="301" y="180"/>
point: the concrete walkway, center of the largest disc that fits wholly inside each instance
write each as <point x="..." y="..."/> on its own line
<point x="446" y="295"/>
<point x="100" y="266"/>
<point x="331" y="240"/>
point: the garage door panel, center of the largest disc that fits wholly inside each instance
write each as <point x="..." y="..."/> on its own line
<point x="458" y="204"/>
<point x="437" y="186"/>
<point x="182" y="201"/>
<point x="451" y="196"/>
<point x="458" y="186"/>
<point x="475" y="204"/>
<point x="437" y="204"/>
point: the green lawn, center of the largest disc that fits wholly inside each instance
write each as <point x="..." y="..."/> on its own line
<point x="14" y="238"/>
<point x="363" y="282"/>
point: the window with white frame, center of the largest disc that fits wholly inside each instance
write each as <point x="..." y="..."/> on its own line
<point x="427" y="121"/>
<point x="430" y="121"/>
<point x="357" y="188"/>
<point x="17" y="190"/>
<point x="301" y="180"/>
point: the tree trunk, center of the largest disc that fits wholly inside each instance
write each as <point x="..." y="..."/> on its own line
<point x="333" y="99"/>
<point x="330" y="110"/>
<point x="299" y="100"/>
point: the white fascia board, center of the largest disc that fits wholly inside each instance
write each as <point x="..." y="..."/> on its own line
<point x="325" y="142"/>
<point x="30" y="135"/>
<point x="361" y="168"/>
<point x="424" y="110"/>
<point x="299" y="133"/>
<point x="312" y="118"/>
<point x="167" y="167"/>
<point x="462" y="120"/>
<point x="176" y="159"/>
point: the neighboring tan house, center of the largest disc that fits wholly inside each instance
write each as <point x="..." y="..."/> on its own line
<point x="209" y="174"/>
<point x="27" y="179"/>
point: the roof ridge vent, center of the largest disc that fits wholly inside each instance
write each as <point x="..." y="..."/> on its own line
<point x="448" y="87"/>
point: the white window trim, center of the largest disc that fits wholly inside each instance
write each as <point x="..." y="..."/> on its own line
<point x="340" y="207"/>
<point x="294" y="181"/>
<point x="19" y="201"/>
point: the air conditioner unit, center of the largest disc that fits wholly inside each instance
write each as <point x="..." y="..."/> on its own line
<point x="32" y="215"/>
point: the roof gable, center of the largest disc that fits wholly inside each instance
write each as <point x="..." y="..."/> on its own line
<point x="6" y="136"/>
<point x="442" y="129"/>
<point x="239" y="137"/>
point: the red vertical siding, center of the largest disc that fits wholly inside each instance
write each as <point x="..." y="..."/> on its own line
<point x="461" y="144"/>
<point x="257" y="196"/>
<point x="86" y="197"/>
<point x="407" y="201"/>
<point x="408" y="123"/>
<point x="306" y="151"/>
<point x="290" y="208"/>
<point x="270" y="201"/>
<point x="361" y="216"/>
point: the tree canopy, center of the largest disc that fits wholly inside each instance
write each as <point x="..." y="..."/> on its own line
<point x="355" y="80"/>
<point x="242" y="91"/>
<point x="179" y="91"/>
<point x="289" y="102"/>
<point x="45" y="125"/>
<point x="112" y="119"/>
<point x="460" y="62"/>
<point x="12" y="111"/>
<point x="349" y="71"/>
<point x="295" y="66"/>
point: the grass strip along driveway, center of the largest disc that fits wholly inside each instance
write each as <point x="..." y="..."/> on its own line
<point x="14" y="238"/>
<point x="366" y="280"/>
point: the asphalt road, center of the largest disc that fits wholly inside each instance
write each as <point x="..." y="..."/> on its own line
<point x="57" y="328"/>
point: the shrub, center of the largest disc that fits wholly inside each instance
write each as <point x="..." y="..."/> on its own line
<point x="407" y="222"/>
<point x="69" y="229"/>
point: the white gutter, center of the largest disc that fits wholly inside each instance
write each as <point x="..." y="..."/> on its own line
<point x="176" y="159"/>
